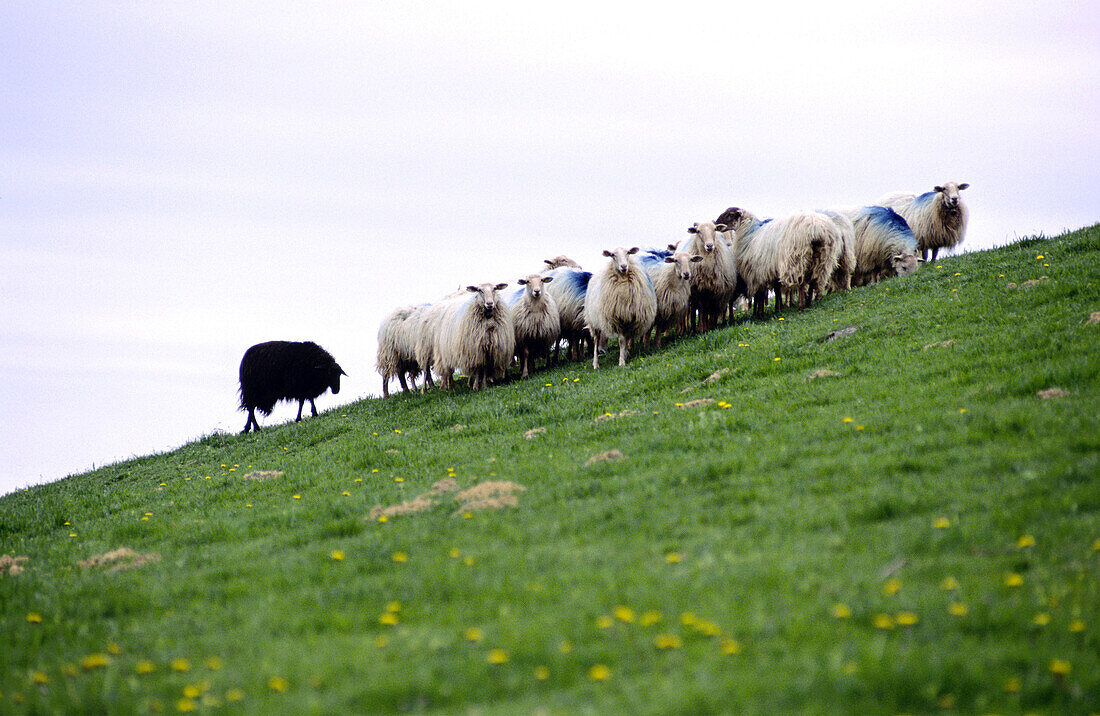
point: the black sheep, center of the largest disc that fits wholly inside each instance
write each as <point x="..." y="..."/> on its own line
<point x="285" y="370"/>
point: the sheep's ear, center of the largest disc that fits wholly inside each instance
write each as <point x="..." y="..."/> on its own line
<point x="607" y="253"/>
<point x="938" y="188"/>
<point x="547" y="279"/>
<point x="472" y="289"/>
<point x="721" y="227"/>
<point x="692" y="229"/>
<point x="500" y="287"/>
<point x="964" y="185"/>
<point x="669" y="260"/>
<point x="672" y="247"/>
<point x="920" y="261"/>
<point x="633" y="250"/>
<point x="548" y="261"/>
<point x="522" y="282"/>
<point x="696" y="259"/>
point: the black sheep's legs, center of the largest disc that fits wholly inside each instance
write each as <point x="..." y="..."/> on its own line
<point x="300" y="404"/>
<point x="313" y="407"/>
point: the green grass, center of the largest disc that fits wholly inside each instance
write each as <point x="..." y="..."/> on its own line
<point x="925" y="458"/>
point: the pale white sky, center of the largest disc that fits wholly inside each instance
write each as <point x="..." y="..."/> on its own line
<point x="181" y="180"/>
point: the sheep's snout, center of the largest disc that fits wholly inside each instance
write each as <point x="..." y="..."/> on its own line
<point x="487" y="309"/>
<point x="709" y="247"/>
<point x="623" y="268"/>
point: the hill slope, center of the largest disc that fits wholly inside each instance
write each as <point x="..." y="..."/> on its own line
<point x="758" y="519"/>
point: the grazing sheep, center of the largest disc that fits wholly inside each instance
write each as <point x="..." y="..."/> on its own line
<point x="756" y="244"/>
<point x="559" y="261"/>
<point x="884" y="243"/>
<point x="568" y="291"/>
<point x="620" y="301"/>
<point x="535" y="318"/>
<point x="714" y="279"/>
<point x="670" y="273"/>
<point x="846" y="256"/>
<point x="810" y="248"/>
<point x="285" y="370"/>
<point x="476" y="335"/>
<point x="937" y="218"/>
<point x="397" y="347"/>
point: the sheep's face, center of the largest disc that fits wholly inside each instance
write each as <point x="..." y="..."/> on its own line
<point x="707" y="233"/>
<point x="683" y="263"/>
<point x="334" y="379"/>
<point x="620" y="258"/>
<point x="950" y="191"/>
<point x="486" y="297"/>
<point x="559" y="261"/>
<point x="534" y="284"/>
<point x="904" y="264"/>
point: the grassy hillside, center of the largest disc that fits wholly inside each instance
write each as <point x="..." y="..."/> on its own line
<point x="900" y="519"/>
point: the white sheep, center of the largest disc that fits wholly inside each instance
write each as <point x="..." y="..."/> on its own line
<point x="620" y="301"/>
<point x="885" y="245"/>
<point x="559" y="261"/>
<point x="568" y="290"/>
<point x="426" y="329"/>
<point x="476" y="336"/>
<point x="756" y="244"/>
<point x="714" y="279"/>
<point x="937" y="217"/>
<point x="670" y="273"/>
<point x="846" y="256"/>
<point x="397" y="347"/>
<point x="535" y="318"/>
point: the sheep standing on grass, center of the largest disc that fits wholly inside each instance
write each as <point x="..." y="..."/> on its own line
<point x="670" y="273"/>
<point x="620" y="301"/>
<point x="714" y="279"/>
<point x="757" y="246"/>
<point x="810" y="248"/>
<point x="568" y="290"/>
<point x="937" y="218"/>
<point x="846" y="255"/>
<point x="397" y="347"/>
<point x="885" y="245"/>
<point x="535" y="318"/>
<point x="285" y="370"/>
<point x="476" y="335"/>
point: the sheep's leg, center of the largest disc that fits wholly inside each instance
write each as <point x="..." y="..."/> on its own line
<point x="300" y="404"/>
<point x="935" y="253"/>
<point x="525" y="362"/>
<point x="401" y="379"/>
<point x="251" y="421"/>
<point x="313" y="407"/>
<point x="759" y="303"/>
<point x="595" y="353"/>
<point x="385" y="387"/>
<point x="624" y="348"/>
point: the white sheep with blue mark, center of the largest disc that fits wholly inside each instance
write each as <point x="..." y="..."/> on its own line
<point x="938" y="217"/>
<point x="568" y="290"/>
<point x="670" y="272"/>
<point x="620" y="301"/>
<point x="885" y="245"/>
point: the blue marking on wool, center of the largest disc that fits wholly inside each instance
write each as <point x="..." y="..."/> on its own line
<point x="925" y="198"/>
<point x="654" y="254"/>
<point x="512" y="295"/>
<point x="890" y="220"/>
<point x="573" y="280"/>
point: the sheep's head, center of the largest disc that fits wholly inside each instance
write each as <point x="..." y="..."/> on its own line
<point x="534" y="284"/>
<point x="335" y="371"/>
<point x="559" y="261"/>
<point x="707" y="233"/>
<point x="950" y="191"/>
<point x="904" y="264"/>
<point x="486" y="296"/>
<point x="683" y="263"/>
<point x="620" y="258"/>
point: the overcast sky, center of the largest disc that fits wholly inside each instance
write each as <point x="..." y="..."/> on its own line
<point x="179" y="181"/>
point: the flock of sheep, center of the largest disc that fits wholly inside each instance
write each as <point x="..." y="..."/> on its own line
<point x="689" y="286"/>
<point x="692" y="285"/>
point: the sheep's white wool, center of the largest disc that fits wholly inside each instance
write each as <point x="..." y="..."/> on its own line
<point x="938" y="217"/>
<point x="476" y="336"/>
<point x="714" y="279"/>
<point x="535" y="318"/>
<point x="884" y="243"/>
<point x="621" y="302"/>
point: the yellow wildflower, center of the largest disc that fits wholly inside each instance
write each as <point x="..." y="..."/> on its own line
<point x="604" y="622"/>
<point x="906" y="618"/>
<point x="624" y="614"/>
<point x="667" y="641"/>
<point x="688" y="618"/>
<point x="649" y="618"/>
<point x="1076" y="626"/>
<point x="399" y="557"/>
<point x="674" y="557"/>
<point x="393" y="606"/>
<point x="941" y="523"/>
<point x="185" y="705"/>
<point x="388" y="619"/>
<point x="599" y="672"/>
<point x="840" y="611"/>
<point x="34" y="618"/>
<point x="1013" y="579"/>
<point x="707" y="628"/>
<point x="1060" y="667"/>
<point x="542" y="673"/>
<point x="278" y="683"/>
<point x="337" y="554"/>
<point x="729" y="646"/>
<point x="93" y="661"/>
<point x="891" y="586"/>
<point x="949" y="583"/>
<point x="180" y="665"/>
<point x="472" y="634"/>
<point x="1025" y="541"/>
<point x="958" y="609"/>
<point x="1041" y="619"/>
<point x="497" y="656"/>
<point x="882" y="621"/>
<point x="39" y="677"/>
<point x="145" y="667"/>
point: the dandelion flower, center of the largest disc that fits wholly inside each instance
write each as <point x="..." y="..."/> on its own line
<point x="707" y="628"/>
<point x="180" y="665"/>
<point x="649" y="618"/>
<point x="729" y="646"/>
<point x="145" y="667"/>
<point x="1040" y="257"/>
<point x="297" y="497"/>
<point x="345" y="493"/>
<point x="668" y="641"/>
<point x="840" y="611"/>
<point x="213" y="663"/>
<point x="497" y="656"/>
<point x="1060" y="667"/>
<point x="674" y="557"/>
<point x="34" y="618"/>
<point x="891" y="586"/>
<point x="958" y="609"/>
<point x="941" y="523"/>
<point x="604" y="622"/>
<point x="337" y="554"/>
<point x="624" y="614"/>
<point x="847" y="420"/>
<point x="599" y="672"/>
<point x="93" y="661"/>
<point x="1025" y="541"/>
<point x="278" y="683"/>
<point x="542" y="673"/>
<point x="688" y="618"/>
<point x="1041" y="619"/>
<point x="1013" y="579"/>
<point x="469" y="560"/>
<point x="192" y="691"/>
<point x="383" y="518"/>
<point x="882" y="621"/>
<point x="185" y="705"/>
<point x="1011" y="685"/>
<point x="906" y="618"/>
<point x="388" y="619"/>
<point x="949" y="583"/>
<point x="472" y="634"/>
<point x="394" y="606"/>
<point x="454" y="553"/>
<point x="565" y="647"/>
<point x="399" y="557"/>
<point x="39" y="677"/>
<point x="1076" y="626"/>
